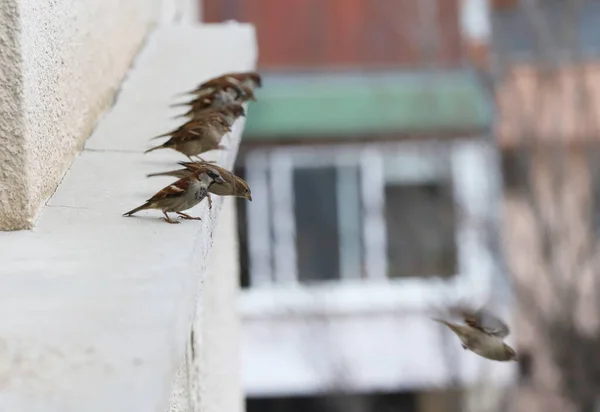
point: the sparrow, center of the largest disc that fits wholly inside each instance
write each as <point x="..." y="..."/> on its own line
<point x="219" y="97"/>
<point x="482" y="319"/>
<point x="482" y="333"/>
<point x="182" y="195"/>
<point x="210" y="118"/>
<point x="233" y="185"/>
<point x="245" y="94"/>
<point x="196" y="137"/>
<point x="251" y="80"/>
<point x="229" y="113"/>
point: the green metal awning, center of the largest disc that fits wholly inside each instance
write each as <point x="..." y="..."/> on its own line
<point x="346" y="105"/>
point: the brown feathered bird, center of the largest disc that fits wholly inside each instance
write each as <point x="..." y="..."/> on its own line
<point x="214" y="118"/>
<point x="482" y="333"/>
<point x="182" y="195"/>
<point x="196" y="137"/>
<point x="252" y="80"/>
<point x="232" y="186"/>
<point x="219" y="97"/>
<point x="230" y="113"/>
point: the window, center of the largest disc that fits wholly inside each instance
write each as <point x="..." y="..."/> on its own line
<point x="310" y="214"/>
<point x="515" y="170"/>
<point x="420" y="230"/>
<point x="514" y="29"/>
<point x="374" y="212"/>
<point x="316" y="218"/>
<point x="419" y="215"/>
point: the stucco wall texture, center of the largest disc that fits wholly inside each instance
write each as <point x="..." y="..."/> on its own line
<point x="61" y="62"/>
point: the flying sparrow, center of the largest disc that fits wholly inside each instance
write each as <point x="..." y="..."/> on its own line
<point x="229" y="113"/>
<point x="481" y="319"/>
<point x="196" y="137"/>
<point x="182" y="195"/>
<point x="232" y="186"/>
<point x="251" y="80"/>
<point x="483" y="334"/>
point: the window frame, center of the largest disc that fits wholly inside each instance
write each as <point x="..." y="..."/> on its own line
<point x="475" y="175"/>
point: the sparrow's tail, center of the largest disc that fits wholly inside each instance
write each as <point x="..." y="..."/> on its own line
<point x="184" y="93"/>
<point x="186" y="164"/>
<point x="179" y="116"/>
<point x="161" y="135"/>
<point x="442" y="321"/>
<point x="175" y="173"/>
<point x="162" y="146"/>
<point x="455" y="328"/>
<point x="182" y="104"/>
<point x="137" y="209"/>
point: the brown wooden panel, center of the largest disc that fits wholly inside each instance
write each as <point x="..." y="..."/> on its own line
<point x="348" y="33"/>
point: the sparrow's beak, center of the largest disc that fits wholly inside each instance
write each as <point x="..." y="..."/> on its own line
<point x="248" y="196"/>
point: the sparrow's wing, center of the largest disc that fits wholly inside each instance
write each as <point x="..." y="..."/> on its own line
<point x="173" y="190"/>
<point x="205" y="102"/>
<point x="191" y="133"/>
<point x="487" y="323"/>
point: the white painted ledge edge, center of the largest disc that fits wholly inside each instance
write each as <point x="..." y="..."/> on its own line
<point x="96" y="308"/>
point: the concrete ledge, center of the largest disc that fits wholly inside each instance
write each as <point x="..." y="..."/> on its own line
<point x="209" y="379"/>
<point x="95" y="308"/>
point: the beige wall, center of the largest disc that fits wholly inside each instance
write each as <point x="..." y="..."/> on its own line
<point x="562" y="104"/>
<point x="555" y="286"/>
<point x="61" y="62"/>
<point x="548" y="106"/>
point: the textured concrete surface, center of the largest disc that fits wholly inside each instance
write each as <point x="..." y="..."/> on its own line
<point x="209" y="377"/>
<point x="95" y="308"/>
<point x="61" y="63"/>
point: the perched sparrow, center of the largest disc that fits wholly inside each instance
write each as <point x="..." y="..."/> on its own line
<point x="229" y="113"/>
<point x="251" y="80"/>
<point x="247" y="94"/>
<point x="214" y="119"/>
<point x="196" y="137"/>
<point x="181" y="195"/>
<point x="216" y="98"/>
<point x="483" y="333"/>
<point x="233" y="185"/>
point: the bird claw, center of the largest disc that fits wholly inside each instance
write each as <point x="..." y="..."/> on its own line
<point x="204" y="161"/>
<point x="188" y="217"/>
<point x="168" y="219"/>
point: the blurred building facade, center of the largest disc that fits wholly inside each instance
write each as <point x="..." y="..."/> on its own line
<point x="376" y="188"/>
<point x="547" y="78"/>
